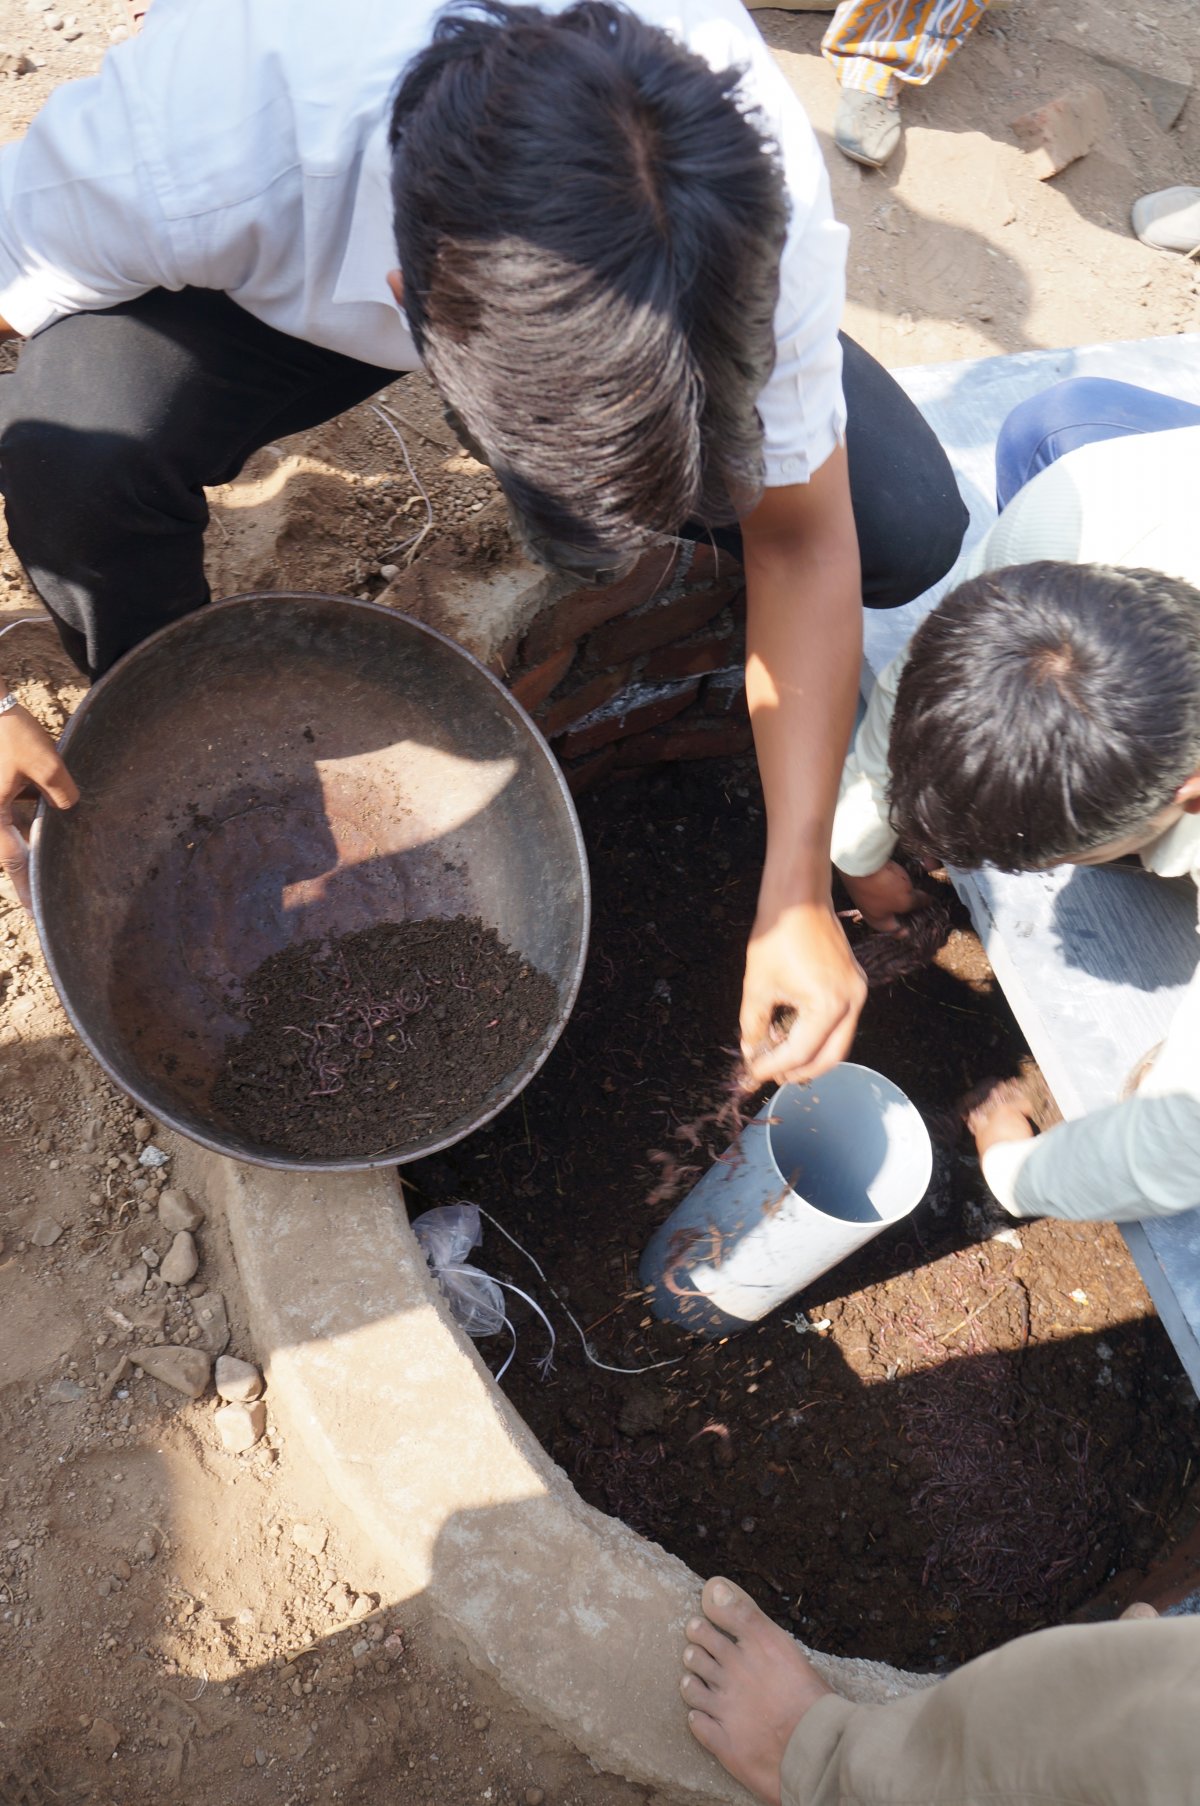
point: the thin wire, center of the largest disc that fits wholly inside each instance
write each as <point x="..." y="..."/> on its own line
<point x="25" y="621"/>
<point x="411" y="545"/>
<point x="587" y="1347"/>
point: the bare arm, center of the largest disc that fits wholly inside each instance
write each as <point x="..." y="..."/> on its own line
<point x="803" y="658"/>
<point x="28" y="758"/>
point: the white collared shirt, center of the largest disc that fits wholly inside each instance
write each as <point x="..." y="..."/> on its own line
<point x="241" y="145"/>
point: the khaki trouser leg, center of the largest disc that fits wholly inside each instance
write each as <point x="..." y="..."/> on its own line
<point x="1086" y="1715"/>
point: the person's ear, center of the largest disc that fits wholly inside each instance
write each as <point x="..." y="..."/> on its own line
<point x="1189" y="794"/>
<point x="396" y="284"/>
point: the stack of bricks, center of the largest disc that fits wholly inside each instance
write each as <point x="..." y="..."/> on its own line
<point x="645" y="671"/>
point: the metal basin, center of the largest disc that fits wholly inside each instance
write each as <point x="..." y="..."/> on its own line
<point x="273" y="769"/>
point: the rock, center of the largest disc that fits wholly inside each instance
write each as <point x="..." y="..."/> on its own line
<point x="145" y="1549"/>
<point x="240" y="1383"/>
<point x="152" y="1156"/>
<point x="480" y="1722"/>
<point x="388" y="571"/>
<point x="102" y="1737"/>
<point x="535" y="1796"/>
<point x="364" y="1603"/>
<point x="186" y="1370"/>
<point x="52" y="21"/>
<point x="310" y="1538"/>
<point x="240" y="1426"/>
<point x="16" y="63"/>
<point x="45" y="1232"/>
<point x="178" y="1210"/>
<point x="65" y="1392"/>
<point x="1062" y="131"/>
<point x="181" y="1260"/>
<point x="132" y="1283"/>
<point x="142" y="1130"/>
<point x="212" y="1320"/>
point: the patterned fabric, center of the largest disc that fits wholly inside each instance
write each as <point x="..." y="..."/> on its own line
<point x="873" y="44"/>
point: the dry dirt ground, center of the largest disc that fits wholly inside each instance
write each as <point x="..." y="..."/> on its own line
<point x="163" y="1633"/>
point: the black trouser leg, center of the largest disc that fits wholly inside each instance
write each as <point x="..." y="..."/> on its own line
<point x="907" y="509"/>
<point x="111" y="428"/>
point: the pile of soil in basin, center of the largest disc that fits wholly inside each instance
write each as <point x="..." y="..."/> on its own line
<point x="379" y="1039"/>
<point x="943" y="1442"/>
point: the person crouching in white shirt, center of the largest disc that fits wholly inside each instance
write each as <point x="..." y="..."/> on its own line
<point x="1048" y="712"/>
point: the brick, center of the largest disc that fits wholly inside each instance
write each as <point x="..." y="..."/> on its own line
<point x="532" y="685"/>
<point x="585" y="772"/>
<point x="725" y="693"/>
<point x="637" y="709"/>
<point x="709" y="564"/>
<point x="566" y="712"/>
<point x="581" y="610"/>
<point x="1063" y="130"/>
<point x="693" y="738"/>
<point x="693" y="657"/>
<point x="657" y="624"/>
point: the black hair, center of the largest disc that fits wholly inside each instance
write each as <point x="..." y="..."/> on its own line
<point x="589" y="231"/>
<point x="1045" y="710"/>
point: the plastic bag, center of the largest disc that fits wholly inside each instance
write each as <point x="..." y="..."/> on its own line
<point x="447" y="1235"/>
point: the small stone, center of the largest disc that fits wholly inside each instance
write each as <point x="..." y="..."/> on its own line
<point x="178" y="1210"/>
<point x="152" y="1156"/>
<point x="142" y="1130"/>
<point x="45" y="1232"/>
<point x="240" y="1383"/>
<point x="71" y="33"/>
<point x="65" y="1392"/>
<point x="52" y="21"/>
<point x="376" y="1632"/>
<point x="388" y="571"/>
<point x="240" y="1426"/>
<point x="360" y="1607"/>
<point x="480" y="1722"/>
<point x="212" y="1320"/>
<point x="102" y="1737"/>
<point x="122" y="1570"/>
<point x="361" y="1648"/>
<point x="145" y="1549"/>
<point x="186" y="1370"/>
<point x="181" y="1260"/>
<point x="132" y="1283"/>
<point x="1063" y="130"/>
<point x="306" y="1536"/>
<point x="535" y="1796"/>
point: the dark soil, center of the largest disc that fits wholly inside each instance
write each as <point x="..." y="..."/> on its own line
<point x="945" y="1441"/>
<point x="379" y="1039"/>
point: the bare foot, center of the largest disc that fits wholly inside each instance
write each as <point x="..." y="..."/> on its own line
<point x="748" y="1686"/>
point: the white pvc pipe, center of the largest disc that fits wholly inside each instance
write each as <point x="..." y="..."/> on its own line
<point x="820" y="1170"/>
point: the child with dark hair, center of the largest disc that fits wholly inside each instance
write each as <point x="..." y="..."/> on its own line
<point x="618" y="261"/>
<point x="1048" y="712"/>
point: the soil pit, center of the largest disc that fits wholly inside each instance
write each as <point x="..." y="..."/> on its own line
<point x="378" y="1039"/>
<point x="947" y="1440"/>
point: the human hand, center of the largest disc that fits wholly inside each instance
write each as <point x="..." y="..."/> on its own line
<point x="27" y="756"/>
<point x="882" y="897"/>
<point x="1002" y="1114"/>
<point x="799" y="965"/>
